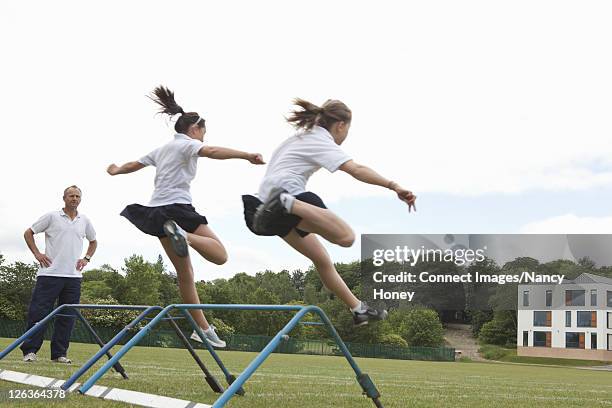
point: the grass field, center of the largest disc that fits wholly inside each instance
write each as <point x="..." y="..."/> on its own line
<point x="317" y="381"/>
<point x="498" y="353"/>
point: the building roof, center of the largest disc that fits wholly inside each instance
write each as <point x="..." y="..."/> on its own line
<point x="583" y="278"/>
<point x="590" y="278"/>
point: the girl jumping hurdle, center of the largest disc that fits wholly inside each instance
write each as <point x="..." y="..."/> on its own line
<point x="170" y="215"/>
<point x="283" y="207"/>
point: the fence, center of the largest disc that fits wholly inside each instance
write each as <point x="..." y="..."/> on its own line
<point x="239" y="342"/>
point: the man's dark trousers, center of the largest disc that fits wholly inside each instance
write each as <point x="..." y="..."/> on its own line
<point x="48" y="289"/>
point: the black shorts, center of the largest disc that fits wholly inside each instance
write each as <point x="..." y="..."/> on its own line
<point x="283" y="225"/>
<point x="150" y="220"/>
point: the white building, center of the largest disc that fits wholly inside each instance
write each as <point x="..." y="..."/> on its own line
<point x="570" y="320"/>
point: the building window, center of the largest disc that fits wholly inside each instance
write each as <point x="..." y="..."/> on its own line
<point x="568" y="318"/>
<point x="594" y="341"/>
<point x="541" y="318"/>
<point x="593" y="297"/>
<point x="525" y="339"/>
<point x="526" y="298"/>
<point x="549" y="298"/>
<point x="610" y="342"/>
<point x="541" y="339"/>
<point x="574" y="340"/>
<point x="609" y="298"/>
<point x="609" y="320"/>
<point x="574" y="298"/>
<point x="586" y="319"/>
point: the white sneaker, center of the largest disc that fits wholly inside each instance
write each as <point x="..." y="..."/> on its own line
<point x="177" y="237"/>
<point x="211" y="337"/>
<point x="63" y="360"/>
<point x="28" y="358"/>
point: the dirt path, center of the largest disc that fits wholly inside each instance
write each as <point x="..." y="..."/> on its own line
<point x="459" y="336"/>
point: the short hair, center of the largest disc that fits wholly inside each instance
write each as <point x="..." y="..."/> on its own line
<point x="72" y="186"/>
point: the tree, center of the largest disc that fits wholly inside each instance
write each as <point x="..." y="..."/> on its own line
<point x="107" y="317"/>
<point x="501" y="330"/>
<point x="16" y="284"/>
<point x="279" y="284"/>
<point x="420" y="327"/>
<point x="142" y="280"/>
<point x="297" y="280"/>
<point x="94" y="289"/>
<point x="266" y="323"/>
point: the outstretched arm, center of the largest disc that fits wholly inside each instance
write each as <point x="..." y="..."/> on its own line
<point x="367" y="175"/>
<point x="222" y="153"/>
<point x="128" y="167"/>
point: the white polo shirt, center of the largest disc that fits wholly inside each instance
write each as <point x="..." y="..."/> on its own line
<point x="63" y="242"/>
<point x="298" y="157"/>
<point x="176" y="165"/>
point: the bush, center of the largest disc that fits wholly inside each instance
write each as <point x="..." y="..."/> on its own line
<point x="420" y="327"/>
<point x="107" y="317"/>
<point x="499" y="331"/>
<point x="492" y="352"/>
<point x="393" y="340"/>
<point x="223" y="329"/>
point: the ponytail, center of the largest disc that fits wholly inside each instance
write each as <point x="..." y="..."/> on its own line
<point x="325" y="116"/>
<point x="164" y="97"/>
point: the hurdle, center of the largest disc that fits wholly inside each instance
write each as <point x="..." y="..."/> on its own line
<point x="235" y="384"/>
<point x="146" y="311"/>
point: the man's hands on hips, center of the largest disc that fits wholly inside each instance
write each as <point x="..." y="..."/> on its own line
<point x="43" y="260"/>
<point x="81" y="263"/>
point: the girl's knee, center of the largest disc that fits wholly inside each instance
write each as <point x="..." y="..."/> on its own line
<point x="346" y="240"/>
<point x="221" y="259"/>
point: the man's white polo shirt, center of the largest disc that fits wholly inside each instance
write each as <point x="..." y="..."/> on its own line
<point x="63" y="242"/>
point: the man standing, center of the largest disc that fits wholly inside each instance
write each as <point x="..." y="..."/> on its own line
<point x="60" y="272"/>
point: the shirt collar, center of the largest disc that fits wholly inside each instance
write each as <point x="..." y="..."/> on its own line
<point x="181" y="136"/>
<point x="63" y="214"/>
<point x="322" y="131"/>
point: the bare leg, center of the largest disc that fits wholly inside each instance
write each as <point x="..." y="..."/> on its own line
<point x="323" y="222"/>
<point x="184" y="273"/>
<point x="310" y="247"/>
<point x="204" y="240"/>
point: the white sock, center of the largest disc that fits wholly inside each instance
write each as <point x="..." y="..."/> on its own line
<point x="287" y="201"/>
<point x="358" y="308"/>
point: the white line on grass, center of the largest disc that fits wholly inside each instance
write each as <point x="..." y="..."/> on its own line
<point x="107" y="393"/>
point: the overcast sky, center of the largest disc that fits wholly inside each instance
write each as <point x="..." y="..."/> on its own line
<point x="496" y="114"/>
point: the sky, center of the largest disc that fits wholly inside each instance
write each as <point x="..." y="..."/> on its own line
<point x="496" y="114"/>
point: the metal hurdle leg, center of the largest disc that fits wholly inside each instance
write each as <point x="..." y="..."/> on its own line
<point x="228" y="376"/>
<point x="261" y="357"/>
<point x="210" y="379"/>
<point x="364" y="380"/>
<point x="118" y="367"/>
<point x="126" y="347"/>
<point x="366" y="383"/>
<point x="105" y="349"/>
<point x="37" y="326"/>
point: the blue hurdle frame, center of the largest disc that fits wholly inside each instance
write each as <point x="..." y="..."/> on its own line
<point x="56" y="312"/>
<point x="105" y="348"/>
<point x="235" y="384"/>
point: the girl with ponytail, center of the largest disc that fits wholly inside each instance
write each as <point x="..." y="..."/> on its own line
<point x="170" y="215"/>
<point x="283" y="207"/>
